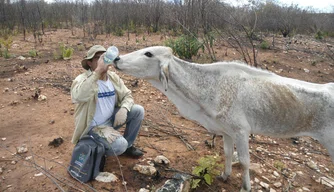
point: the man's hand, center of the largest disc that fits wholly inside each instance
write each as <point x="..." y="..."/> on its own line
<point x="101" y="67"/>
<point x="120" y="117"/>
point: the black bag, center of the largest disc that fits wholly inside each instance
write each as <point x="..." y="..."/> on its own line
<point x="88" y="159"/>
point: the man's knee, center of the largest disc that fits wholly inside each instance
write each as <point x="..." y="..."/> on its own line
<point x="138" y="110"/>
<point x="118" y="147"/>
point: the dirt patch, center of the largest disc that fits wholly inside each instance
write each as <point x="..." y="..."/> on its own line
<point x="26" y="120"/>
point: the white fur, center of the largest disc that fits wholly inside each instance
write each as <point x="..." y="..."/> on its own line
<point x="234" y="100"/>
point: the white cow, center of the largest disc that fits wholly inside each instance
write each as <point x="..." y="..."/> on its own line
<point x="235" y="100"/>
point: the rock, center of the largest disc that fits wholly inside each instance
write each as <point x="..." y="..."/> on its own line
<point x="38" y="174"/>
<point x="106" y="177"/>
<point x="52" y="122"/>
<point x="143" y="190"/>
<point x="6" y="89"/>
<point x="3" y="139"/>
<point x="305" y="189"/>
<point x="312" y="165"/>
<point x="235" y="158"/>
<point x="278" y="184"/>
<point x="180" y="182"/>
<point x="56" y="142"/>
<point x="13" y="162"/>
<point x="42" y="98"/>
<point x="326" y="181"/>
<point x="272" y="190"/>
<point x="22" y="149"/>
<point x="266" y="179"/>
<point x="28" y="158"/>
<point x="264" y="185"/>
<point x="306" y="70"/>
<point x="14" y="102"/>
<point x="256" y="168"/>
<point x="300" y="173"/>
<point x="21" y="58"/>
<point x="145" y="169"/>
<point x="256" y="180"/>
<point x="276" y="174"/>
<point x="1" y="171"/>
<point x="162" y="160"/>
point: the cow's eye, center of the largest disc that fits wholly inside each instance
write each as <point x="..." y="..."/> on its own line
<point x="148" y="54"/>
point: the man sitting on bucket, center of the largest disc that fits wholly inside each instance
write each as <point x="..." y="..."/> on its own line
<point x="103" y="105"/>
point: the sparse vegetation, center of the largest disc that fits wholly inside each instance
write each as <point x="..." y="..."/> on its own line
<point x="63" y="52"/>
<point x="5" y="44"/>
<point x="208" y="168"/>
<point x="319" y="35"/>
<point x="33" y="53"/>
<point x="279" y="165"/>
<point x="185" y="46"/>
<point x="264" y="45"/>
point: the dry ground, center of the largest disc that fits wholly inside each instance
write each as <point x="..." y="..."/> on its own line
<point x="27" y="121"/>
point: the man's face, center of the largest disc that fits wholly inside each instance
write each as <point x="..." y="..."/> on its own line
<point x="93" y="62"/>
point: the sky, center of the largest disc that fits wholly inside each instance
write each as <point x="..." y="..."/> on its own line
<point x="325" y="5"/>
<point x="318" y="5"/>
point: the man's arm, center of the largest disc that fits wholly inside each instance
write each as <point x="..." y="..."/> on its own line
<point x="84" y="88"/>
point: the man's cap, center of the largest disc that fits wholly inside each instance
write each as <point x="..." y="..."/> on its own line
<point x="90" y="54"/>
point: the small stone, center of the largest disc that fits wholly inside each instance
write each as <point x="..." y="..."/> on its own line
<point x="305" y="189"/>
<point x="106" y="177"/>
<point x="256" y="168"/>
<point x="1" y="170"/>
<point x="256" y="180"/>
<point x="21" y="58"/>
<point x="272" y="190"/>
<point x="306" y="70"/>
<point x="38" y="174"/>
<point x="276" y="174"/>
<point x="3" y="139"/>
<point x="312" y="165"/>
<point x="266" y="179"/>
<point x="264" y="185"/>
<point x="22" y="149"/>
<point x="52" y="122"/>
<point x="162" y="160"/>
<point x="28" y="158"/>
<point x="144" y="169"/>
<point x="42" y="98"/>
<point x="13" y="162"/>
<point x="278" y="184"/>
<point x="143" y="190"/>
<point x="6" y="89"/>
<point x="300" y="173"/>
<point x="235" y="157"/>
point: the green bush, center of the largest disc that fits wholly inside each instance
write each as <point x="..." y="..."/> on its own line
<point x="319" y="35"/>
<point x="118" y="32"/>
<point x="63" y="52"/>
<point x="33" y="53"/>
<point x="208" y="168"/>
<point x="6" y="54"/>
<point x="185" y="46"/>
<point x="279" y="165"/>
<point x="264" y="45"/>
<point x="5" y="44"/>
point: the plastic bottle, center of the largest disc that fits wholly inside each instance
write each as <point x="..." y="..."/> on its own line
<point x="110" y="55"/>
